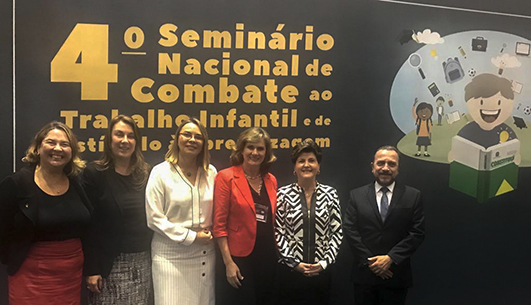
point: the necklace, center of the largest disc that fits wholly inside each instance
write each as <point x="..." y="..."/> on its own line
<point x="252" y="177"/>
<point x="187" y="173"/>
<point x="260" y="187"/>
<point x="49" y="184"/>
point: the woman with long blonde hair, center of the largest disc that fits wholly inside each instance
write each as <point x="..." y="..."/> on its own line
<point x="179" y="210"/>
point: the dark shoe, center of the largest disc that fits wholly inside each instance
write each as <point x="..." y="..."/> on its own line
<point x="417" y="154"/>
<point x="426" y="154"/>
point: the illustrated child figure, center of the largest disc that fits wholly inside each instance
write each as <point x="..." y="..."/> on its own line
<point x="440" y="110"/>
<point x="490" y="101"/>
<point x="476" y="167"/>
<point x="422" y="116"/>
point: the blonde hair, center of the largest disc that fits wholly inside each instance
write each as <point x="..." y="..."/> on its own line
<point x="74" y="166"/>
<point x="139" y="167"/>
<point x="203" y="159"/>
<point x="253" y="135"/>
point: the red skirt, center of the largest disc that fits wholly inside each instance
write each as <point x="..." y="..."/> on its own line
<point x="50" y="274"/>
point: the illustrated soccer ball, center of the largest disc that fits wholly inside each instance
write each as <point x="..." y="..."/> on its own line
<point x="472" y="72"/>
<point x="527" y="110"/>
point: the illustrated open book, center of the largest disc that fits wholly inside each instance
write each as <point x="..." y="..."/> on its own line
<point x="477" y="157"/>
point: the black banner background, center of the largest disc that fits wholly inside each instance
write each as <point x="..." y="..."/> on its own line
<point x="473" y="253"/>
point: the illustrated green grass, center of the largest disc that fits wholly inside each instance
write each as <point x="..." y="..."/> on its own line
<point x="441" y="141"/>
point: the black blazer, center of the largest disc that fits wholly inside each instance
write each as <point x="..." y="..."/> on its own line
<point x="399" y="236"/>
<point x="18" y="215"/>
<point x="101" y="245"/>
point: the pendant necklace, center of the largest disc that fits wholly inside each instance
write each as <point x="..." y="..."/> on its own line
<point x="188" y="174"/>
<point x="260" y="187"/>
<point x="252" y="178"/>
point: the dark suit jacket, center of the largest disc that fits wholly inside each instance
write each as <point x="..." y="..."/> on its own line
<point x="234" y="211"/>
<point x="19" y="208"/>
<point x="102" y="241"/>
<point x="399" y="236"/>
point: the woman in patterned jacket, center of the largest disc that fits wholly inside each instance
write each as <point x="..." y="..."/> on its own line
<point x="308" y="231"/>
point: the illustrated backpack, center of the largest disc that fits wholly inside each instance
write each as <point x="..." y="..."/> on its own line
<point x="453" y="71"/>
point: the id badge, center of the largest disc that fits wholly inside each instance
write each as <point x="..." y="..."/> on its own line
<point x="261" y="212"/>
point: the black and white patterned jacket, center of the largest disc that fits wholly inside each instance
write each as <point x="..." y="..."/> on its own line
<point x="308" y="236"/>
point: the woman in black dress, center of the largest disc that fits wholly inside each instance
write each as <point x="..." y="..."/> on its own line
<point x="117" y="257"/>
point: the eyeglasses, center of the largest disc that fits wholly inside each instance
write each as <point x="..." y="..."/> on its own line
<point x="188" y="136"/>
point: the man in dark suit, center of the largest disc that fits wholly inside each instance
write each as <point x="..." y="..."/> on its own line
<point x="384" y="225"/>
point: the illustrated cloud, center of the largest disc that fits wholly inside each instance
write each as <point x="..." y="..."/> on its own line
<point x="427" y="37"/>
<point x="506" y="61"/>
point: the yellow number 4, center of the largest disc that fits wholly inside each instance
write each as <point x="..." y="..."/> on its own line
<point x="84" y="58"/>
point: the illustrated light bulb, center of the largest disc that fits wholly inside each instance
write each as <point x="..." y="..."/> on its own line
<point x="433" y="54"/>
<point x="504" y="136"/>
<point x="500" y="67"/>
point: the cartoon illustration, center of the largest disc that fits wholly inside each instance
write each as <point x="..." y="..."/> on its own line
<point x="523" y="48"/>
<point x="440" y="110"/>
<point x="462" y="52"/>
<point x="415" y="61"/>
<point x="486" y="152"/>
<point x="434" y="89"/>
<point x="487" y="147"/>
<point x="519" y="122"/>
<point x="490" y="101"/>
<point x="422" y="116"/>
<point x="517" y="88"/>
<point x="453" y="71"/>
<point x="505" y="61"/>
<point x="427" y="37"/>
<point x="504" y="45"/>
<point x="433" y="54"/>
<point x="479" y="44"/>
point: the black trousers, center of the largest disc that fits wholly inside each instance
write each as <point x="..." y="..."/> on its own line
<point x="259" y="272"/>
<point x="379" y="295"/>
<point x="295" y="288"/>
